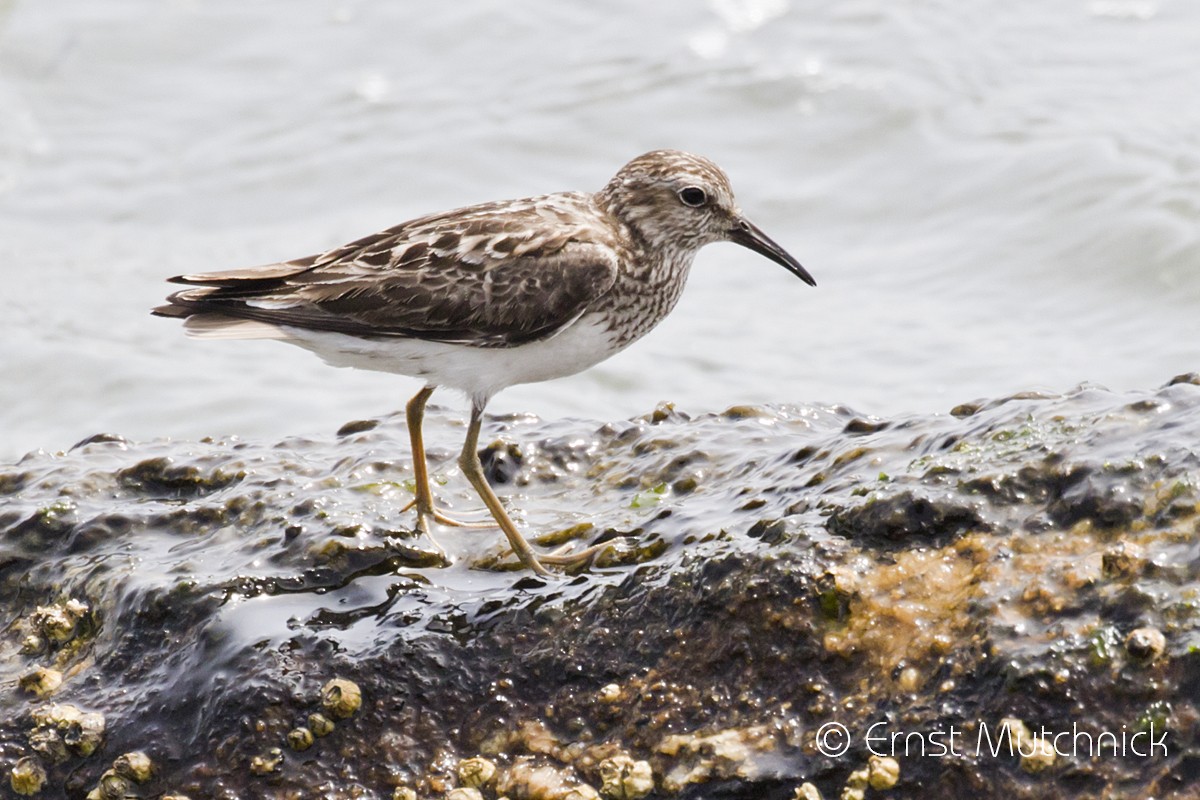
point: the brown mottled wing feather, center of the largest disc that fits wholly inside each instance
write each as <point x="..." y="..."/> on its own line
<point x="496" y="275"/>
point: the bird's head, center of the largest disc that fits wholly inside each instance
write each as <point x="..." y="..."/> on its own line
<point x="677" y="201"/>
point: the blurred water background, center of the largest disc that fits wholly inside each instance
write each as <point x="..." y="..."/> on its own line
<point x="993" y="196"/>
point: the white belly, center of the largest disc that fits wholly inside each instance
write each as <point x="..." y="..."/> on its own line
<point x="478" y="371"/>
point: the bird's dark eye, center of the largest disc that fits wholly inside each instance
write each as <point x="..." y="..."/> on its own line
<point x="693" y="196"/>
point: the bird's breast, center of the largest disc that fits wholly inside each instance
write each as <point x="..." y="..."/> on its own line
<point x="642" y="296"/>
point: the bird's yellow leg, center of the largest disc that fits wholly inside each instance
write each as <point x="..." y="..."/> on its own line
<point x="423" y="502"/>
<point x="468" y="460"/>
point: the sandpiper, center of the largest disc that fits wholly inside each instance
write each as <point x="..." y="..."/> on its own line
<point x="492" y="295"/>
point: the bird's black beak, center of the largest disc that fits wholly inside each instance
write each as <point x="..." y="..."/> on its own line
<point x="747" y="234"/>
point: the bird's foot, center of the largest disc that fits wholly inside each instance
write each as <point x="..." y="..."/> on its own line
<point x="561" y="559"/>
<point x="566" y="539"/>
<point x="432" y="513"/>
<point x="426" y="518"/>
<point x="584" y="558"/>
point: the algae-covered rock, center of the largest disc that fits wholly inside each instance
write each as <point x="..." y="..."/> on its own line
<point x="767" y="571"/>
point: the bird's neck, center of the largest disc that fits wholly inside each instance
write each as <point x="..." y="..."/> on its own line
<point x="648" y="284"/>
<point x="646" y="290"/>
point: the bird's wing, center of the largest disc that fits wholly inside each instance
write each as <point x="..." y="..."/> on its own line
<point x="496" y="275"/>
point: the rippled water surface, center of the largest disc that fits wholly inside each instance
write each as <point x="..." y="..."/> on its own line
<point x="992" y="196"/>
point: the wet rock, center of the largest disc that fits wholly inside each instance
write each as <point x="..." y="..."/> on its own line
<point x="904" y="516"/>
<point x="965" y="409"/>
<point x="103" y="439"/>
<point x="665" y="412"/>
<point x="778" y="568"/>
<point x="161" y="477"/>
<point x="1103" y="504"/>
<point x="860" y="426"/>
<point x="501" y="462"/>
<point x="770" y="531"/>
<point x="357" y="426"/>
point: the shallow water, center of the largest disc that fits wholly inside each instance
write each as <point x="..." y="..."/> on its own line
<point x="992" y="196"/>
